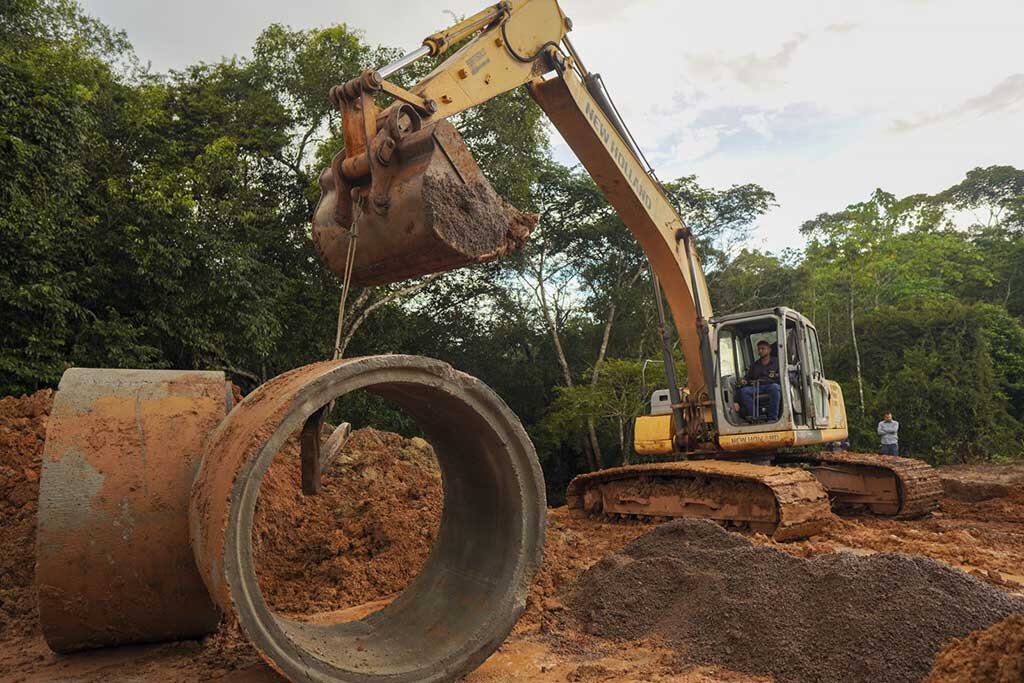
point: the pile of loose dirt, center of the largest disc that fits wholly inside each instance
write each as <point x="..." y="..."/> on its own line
<point x="364" y="537"/>
<point x="717" y="598"/>
<point x="571" y="546"/>
<point x="995" y="654"/>
<point x="983" y="538"/>
<point x="974" y="483"/>
<point x="22" y="432"/>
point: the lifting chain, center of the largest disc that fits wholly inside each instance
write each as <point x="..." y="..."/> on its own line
<point x="350" y="261"/>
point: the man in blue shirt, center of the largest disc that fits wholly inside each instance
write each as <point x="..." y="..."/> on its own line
<point x="762" y="378"/>
<point x="889" y="431"/>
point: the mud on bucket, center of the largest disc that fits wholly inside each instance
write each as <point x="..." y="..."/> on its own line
<point x="429" y="209"/>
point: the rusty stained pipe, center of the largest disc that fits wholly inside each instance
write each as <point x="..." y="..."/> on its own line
<point x="473" y="587"/>
<point x="113" y="560"/>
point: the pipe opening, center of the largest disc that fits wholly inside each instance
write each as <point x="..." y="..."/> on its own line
<point x="473" y="585"/>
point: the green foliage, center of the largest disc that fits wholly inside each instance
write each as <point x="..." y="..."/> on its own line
<point x="620" y="394"/>
<point x="941" y="374"/>
<point x="753" y="280"/>
<point x="934" y="307"/>
<point x="163" y="221"/>
<point x="57" y="96"/>
<point x="720" y="219"/>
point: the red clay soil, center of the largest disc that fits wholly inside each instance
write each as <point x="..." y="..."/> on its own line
<point x="975" y="483"/>
<point x="364" y="537"/>
<point x="22" y="432"/>
<point x="368" y="534"/>
<point x="984" y="538"/>
<point x="994" y="655"/>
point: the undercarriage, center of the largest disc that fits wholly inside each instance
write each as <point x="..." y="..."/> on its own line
<point x="791" y="499"/>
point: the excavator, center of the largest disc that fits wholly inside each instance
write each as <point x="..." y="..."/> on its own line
<point x="405" y="198"/>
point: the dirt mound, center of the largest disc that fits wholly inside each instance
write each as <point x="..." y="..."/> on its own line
<point x="995" y="655"/>
<point x="974" y="483"/>
<point x="717" y="598"/>
<point x="22" y="432"/>
<point x="364" y="537"/>
<point x="985" y="539"/>
<point x="571" y="546"/>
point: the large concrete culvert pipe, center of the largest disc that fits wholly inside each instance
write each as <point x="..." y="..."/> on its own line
<point x="113" y="565"/>
<point x="473" y="586"/>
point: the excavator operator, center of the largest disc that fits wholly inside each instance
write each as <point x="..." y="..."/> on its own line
<point x="762" y="378"/>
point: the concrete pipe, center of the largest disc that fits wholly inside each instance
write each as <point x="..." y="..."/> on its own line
<point x="473" y="586"/>
<point x="113" y="561"/>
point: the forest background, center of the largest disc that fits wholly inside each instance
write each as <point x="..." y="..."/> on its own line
<point x="160" y="220"/>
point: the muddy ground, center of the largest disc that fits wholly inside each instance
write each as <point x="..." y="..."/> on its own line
<point x="358" y="544"/>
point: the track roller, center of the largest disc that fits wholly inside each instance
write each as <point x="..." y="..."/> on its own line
<point x="883" y="484"/>
<point x="784" y="503"/>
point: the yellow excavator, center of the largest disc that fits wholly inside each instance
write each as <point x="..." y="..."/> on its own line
<point x="405" y="198"/>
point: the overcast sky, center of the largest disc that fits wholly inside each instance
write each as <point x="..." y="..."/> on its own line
<point x="818" y="101"/>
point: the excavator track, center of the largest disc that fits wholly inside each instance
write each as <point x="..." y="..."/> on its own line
<point x="885" y="484"/>
<point x="784" y="503"/>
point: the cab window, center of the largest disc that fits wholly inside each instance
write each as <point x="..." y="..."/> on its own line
<point x="727" y="353"/>
<point x="812" y="341"/>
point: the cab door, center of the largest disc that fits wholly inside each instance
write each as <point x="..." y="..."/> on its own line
<point x="819" y="390"/>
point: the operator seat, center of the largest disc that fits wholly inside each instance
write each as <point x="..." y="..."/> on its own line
<point x="761" y="400"/>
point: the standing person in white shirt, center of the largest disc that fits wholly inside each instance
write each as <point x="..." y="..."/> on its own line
<point x="889" y="430"/>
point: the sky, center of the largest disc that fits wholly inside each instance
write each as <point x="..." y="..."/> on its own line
<point x="819" y="101"/>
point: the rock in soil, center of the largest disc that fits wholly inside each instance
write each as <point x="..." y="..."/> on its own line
<point x="717" y="598"/>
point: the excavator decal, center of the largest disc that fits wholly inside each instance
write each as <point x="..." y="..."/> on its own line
<point x="620" y="157"/>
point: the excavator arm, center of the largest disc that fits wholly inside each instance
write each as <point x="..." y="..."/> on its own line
<point x="405" y="197"/>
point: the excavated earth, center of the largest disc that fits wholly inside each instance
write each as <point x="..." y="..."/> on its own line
<point x="718" y="598"/>
<point x="360" y="542"/>
<point x="995" y="655"/>
<point x="363" y="538"/>
<point x="472" y="219"/>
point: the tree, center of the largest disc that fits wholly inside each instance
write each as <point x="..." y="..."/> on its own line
<point x="57" y="92"/>
<point x="721" y="220"/>
<point x="993" y="199"/>
<point x="850" y="249"/>
<point x="938" y="370"/>
<point x="753" y="280"/>
<point x="614" y="400"/>
<point x="994" y="196"/>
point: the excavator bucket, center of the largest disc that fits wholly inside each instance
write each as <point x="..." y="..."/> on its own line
<point x="416" y="203"/>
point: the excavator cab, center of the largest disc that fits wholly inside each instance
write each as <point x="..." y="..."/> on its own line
<point x="737" y="341"/>
<point x="808" y="403"/>
<point x="811" y="407"/>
